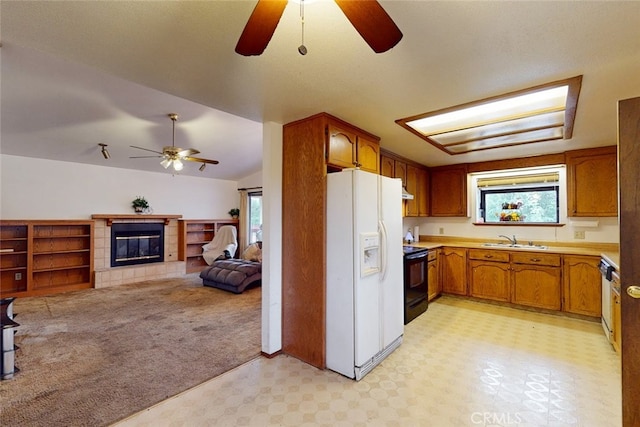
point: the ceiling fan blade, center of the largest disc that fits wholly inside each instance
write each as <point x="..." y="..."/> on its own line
<point x="146" y="157"/>
<point x="199" y="160"/>
<point x="187" y="152"/>
<point x="146" y="149"/>
<point x="372" y="22"/>
<point x="260" y="27"/>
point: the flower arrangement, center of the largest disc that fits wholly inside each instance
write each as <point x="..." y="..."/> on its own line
<point x="235" y="212"/>
<point x="139" y="204"/>
<point x="513" y="215"/>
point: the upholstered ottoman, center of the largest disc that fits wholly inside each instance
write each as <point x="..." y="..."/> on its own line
<point x="233" y="275"/>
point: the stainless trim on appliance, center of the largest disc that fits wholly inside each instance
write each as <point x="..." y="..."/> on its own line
<point x="607" y="272"/>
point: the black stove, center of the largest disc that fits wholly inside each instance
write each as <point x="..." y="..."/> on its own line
<point x="416" y="286"/>
<point x="408" y="249"/>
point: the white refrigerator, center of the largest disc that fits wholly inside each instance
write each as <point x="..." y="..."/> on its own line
<point x="365" y="294"/>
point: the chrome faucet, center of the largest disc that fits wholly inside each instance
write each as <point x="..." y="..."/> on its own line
<point x="513" y="240"/>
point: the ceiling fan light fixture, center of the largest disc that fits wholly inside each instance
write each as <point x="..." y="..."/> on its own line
<point x="104" y="151"/>
<point x="166" y="163"/>
<point x="177" y="165"/>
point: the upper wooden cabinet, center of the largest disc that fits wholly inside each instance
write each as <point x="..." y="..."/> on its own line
<point x="349" y="147"/>
<point x="393" y="168"/>
<point x="368" y="154"/>
<point x="449" y="190"/>
<point x="592" y="182"/>
<point x="418" y="186"/>
<point x="341" y="146"/>
<point x="387" y="166"/>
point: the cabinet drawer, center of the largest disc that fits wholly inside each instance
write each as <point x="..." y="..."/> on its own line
<point x="536" y="258"/>
<point x="485" y="255"/>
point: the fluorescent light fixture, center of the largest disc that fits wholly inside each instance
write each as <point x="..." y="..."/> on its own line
<point x="538" y="114"/>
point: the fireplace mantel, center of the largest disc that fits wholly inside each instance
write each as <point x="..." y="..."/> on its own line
<point x="110" y="217"/>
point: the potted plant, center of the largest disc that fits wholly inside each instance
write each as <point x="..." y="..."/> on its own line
<point x="140" y="204"/>
<point x="235" y="212"/>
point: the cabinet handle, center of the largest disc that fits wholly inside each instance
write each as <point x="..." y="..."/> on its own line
<point x="535" y="259"/>
<point x="488" y="256"/>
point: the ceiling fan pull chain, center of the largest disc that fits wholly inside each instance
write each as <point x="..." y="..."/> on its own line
<point x="302" y="49"/>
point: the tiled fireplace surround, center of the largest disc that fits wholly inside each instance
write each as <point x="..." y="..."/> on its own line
<point x="106" y="276"/>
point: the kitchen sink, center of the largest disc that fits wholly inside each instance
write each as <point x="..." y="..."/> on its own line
<point x="515" y="246"/>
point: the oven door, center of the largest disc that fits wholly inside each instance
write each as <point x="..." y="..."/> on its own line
<point x="416" y="286"/>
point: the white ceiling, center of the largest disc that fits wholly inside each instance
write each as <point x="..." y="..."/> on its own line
<point x="78" y="73"/>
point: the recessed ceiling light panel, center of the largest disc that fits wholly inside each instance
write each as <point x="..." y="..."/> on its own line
<point x="541" y="113"/>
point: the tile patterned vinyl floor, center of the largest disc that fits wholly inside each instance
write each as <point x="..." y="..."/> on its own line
<point x="462" y="363"/>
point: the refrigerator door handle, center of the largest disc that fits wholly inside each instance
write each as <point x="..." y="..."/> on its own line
<point x="383" y="250"/>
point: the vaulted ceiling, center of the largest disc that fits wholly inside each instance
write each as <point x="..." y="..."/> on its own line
<point x="75" y="74"/>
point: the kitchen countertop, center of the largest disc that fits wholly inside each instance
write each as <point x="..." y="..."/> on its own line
<point x="609" y="251"/>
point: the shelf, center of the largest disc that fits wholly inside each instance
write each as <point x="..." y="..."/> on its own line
<point x="193" y="234"/>
<point x="67" y="236"/>
<point x="69" y="267"/>
<point x="50" y="255"/>
<point x="69" y="251"/>
<point x="111" y="217"/>
<point x="18" y="268"/>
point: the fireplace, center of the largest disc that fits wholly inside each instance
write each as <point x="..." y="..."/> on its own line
<point x="136" y="243"/>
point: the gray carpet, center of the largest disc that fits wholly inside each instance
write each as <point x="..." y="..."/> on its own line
<point x="92" y="357"/>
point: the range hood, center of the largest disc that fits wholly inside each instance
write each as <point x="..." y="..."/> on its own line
<point x="406" y="195"/>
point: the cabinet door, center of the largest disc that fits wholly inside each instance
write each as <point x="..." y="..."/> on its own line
<point x="592" y="182"/>
<point x="616" y="315"/>
<point x="582" y="285"/>
<point x="422" y="192"/>
<point x="368" y="155"/>
<point x="453" y="263"/>
<point x="489" y="280"/>
<point x="400" y="171"/>
<point x="417" y="184"/>
<point x="536" y="286"/>
<point x="432" y="277"/>
<point x="412" y="188"/>
<point x="387" y="167"/>
<point x="341" y="147"/>
<point x="449" y="191"/>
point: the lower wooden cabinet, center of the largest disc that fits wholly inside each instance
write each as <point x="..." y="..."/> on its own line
<point x="453" y="267"/>
<point x="536" y="286"/>
<point x="433" y="276"/>
<point x="489" y="274"/>
<point x="536" y="280"/>
<point x="582" y="285"/>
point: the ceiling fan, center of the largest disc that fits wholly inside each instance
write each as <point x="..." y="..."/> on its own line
<point x="367" y="16"/>
<point x="172" y="155"/>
